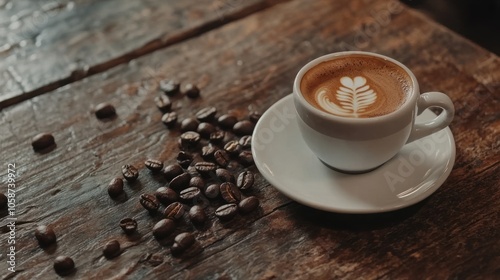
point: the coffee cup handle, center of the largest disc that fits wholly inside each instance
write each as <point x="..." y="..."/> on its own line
<point x="429" y="100"/>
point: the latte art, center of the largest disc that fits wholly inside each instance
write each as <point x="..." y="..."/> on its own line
<point x="354" y="96"/>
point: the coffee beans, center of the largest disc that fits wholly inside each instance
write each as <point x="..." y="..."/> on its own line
<point x="169" y="119"/>
<point x="166" y="195"/>
<point x="171" y="171"/>
<point x="128" y="225"/>
<point x="227" y="121"/>
<point x="170" y="87"/>
<point x="189" y="124"/>
<point x="212" y="191"/>
<point x="227" y="211"/>
<point x="245" y="180"/>
<point x="217" y="137"/>
<point x="115" y="187"/>
<point x="130" y="173"/>
<point x="149" y="202"/>
<point x="232" y="147"/>
<point x="64" y="265"/>
<point x="42" y="141"/>
<point x="190" y="194"/>
<point x="190" y="139"/>
<point x="248" y="204"/>
<point x="153" y="165"/>
<point x="104" y="111"/>
<point x="111" y="249"/>
<point x="205" y="129"/>
<point x="229" y="192"/>
<point x="245" y="141"/>
<point x="163" y="103"/>
<point x="244" y="127"/>
<point x="184" y="159"/>
<point x="197" y="182"/>
<point x="174" y="211"/>
<point x="207" y="152"/>
<point x="191" y="91"/>
<point x="204" y="167"/>
<point x="224" y="175"/>
<point x="45" y="236"/>
<point x="246" y="158"/>
<point x="206" y="114"/>
<point x="197" y="215"/>
<point x="254" y="116"/>
<point x="182" y="242"/>
<point x="163" y="228"/>
<point x="181" y="181"/>
<point x="222" y="158"/>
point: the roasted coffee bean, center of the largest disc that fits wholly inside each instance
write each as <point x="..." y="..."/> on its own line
<point x="192" y="171"/>
<point x="246" y="141"/>
<point x="197" y="215"/>
<point x="3" y="201"/>
<point x="184" y="159"/>
<point x="169" y="119"/>
<point x="163" y="103"/>
<point x="217" y="137"/>
<point x="226" y="211"/>
<point x="189" y="194"/>
<point x="189" y="124"/>
<point x="206" y="114"/>
<point x="205" y="129"/>
<point x="128" y="225"/>
<point x="181" y="181"/>
<point x="212" y="191"/>
<point x="244" y="127"/>
<point x="197" y="182"/>
<point x="190" y="139"/>
<point x="245" y="180"/>
<point x="254" y="116"/>
<point x="130" y="173"/>
<point x="64" y="265"/>
<point x="246" y="158"/>
<point x="229" y="192"/>
<point x="170" y="87"/>
<point x="227" y="121"/>
<point x="104" y="111"/>
<point x="182" y="242"/>
<point x="248" y="204"/>
<point x="166" y="195"/>
<point x="224" y="175"/>
<point x="115" y="187"/>
<point x="111" y="249"/>
<point x="153" y="165"/>
<point x="174" y="211"/>
<point x="149" y="202"/>
<point x="42" y="141"/>
<point x="207" y="152"/>
<point x="171" y="171"/>
<point x="45" y="235"/>
<point x="221" y="158"/>
<point x="163" y="228"/>
<point x="204" y="167"/>
<point x="191" y="91"/>
<point x="232" y="147"/>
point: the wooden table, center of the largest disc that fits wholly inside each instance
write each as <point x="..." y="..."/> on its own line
<point x="60" y="58"/>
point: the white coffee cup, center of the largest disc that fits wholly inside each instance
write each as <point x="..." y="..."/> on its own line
<point x="356" y="145"/>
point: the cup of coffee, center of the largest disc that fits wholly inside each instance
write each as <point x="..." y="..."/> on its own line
<point x="356" y="110"/>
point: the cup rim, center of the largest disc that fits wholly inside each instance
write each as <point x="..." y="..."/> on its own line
<point x="408" y="104"/>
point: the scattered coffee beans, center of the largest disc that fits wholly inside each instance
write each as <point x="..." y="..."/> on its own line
<point x="130" y="173"/>
<point x="42" y="141"/>
<point x="181" y="181"/>
<point x="191" y="91"/>
<point x="197" y="182"/>
<point x="189" y="194"/>
<point x="227" y="211"/>
<point x="45" y="236"/>
<point x="111" y="249"/>
<point x="217" y="137"/>
<point x="246" y="141"/>
<point x="245" y="180"/>
<point x="64" y="265"/>
<point x="222" y="158"/>
<point x="254" y="116"/>
<point x="174" y="211"/>
<point x="229" y="192"/>
<point x="166" y="195"/>
<point x="246" y="158"/>
<point x="170" y="87"/>
<point x="197" y="215"/>
<point x="163" y="103"/>
<point x="205" y="129"/>
<point x="115" y="187"/>
<point x="248" y="204"/>
<point x="224" y="175"/>
<point x="184" y="159"/>
<point x="244" y="127"/>
<point x="3" y="201"/>
<point x="212" y="191"/>
<point x="104" y="111"/>
<point x="153" y="165"/>
<point x="128" y="225"/>
<point x="149" y="202"/>
<point x="189" y="124"/>
<point x="206" y="114"/>
<point x="227" y="121"/>
<point x="163" y="228"/>
<point x="207" y="152"/>
<point x="232" y="147"/>
<point x="171" y="171"/>
<point x="189" y="139"/>
<point x="204" y="167"/>
<point x="182" y="242"/>
<point x="169" y="119"/>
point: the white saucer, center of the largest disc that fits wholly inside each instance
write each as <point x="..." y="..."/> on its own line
<point x="283" y="158"/>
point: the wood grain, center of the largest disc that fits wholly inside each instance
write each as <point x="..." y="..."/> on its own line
<point x="252" y="62"/>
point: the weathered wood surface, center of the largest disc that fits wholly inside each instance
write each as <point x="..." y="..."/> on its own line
<point x="452" y="234"/>
<point x="47" y="44"/>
